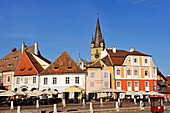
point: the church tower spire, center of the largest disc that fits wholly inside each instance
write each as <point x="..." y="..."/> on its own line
<point x="98" y="34"/>
<point x="97" y="44"/>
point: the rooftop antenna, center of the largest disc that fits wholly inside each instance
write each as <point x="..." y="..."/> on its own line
<point x="79" y="55"/>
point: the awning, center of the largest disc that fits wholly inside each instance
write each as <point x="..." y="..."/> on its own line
<point x="7" y="93"/>
<point x="153" y="93"/>
<point x="18" y="93"/>
<point x="143" y="93"/>
<point x="73" y="89"/>
<point x="107" y="90"/>
<point x="131" y="93"/>
<point x="54" y="92"/>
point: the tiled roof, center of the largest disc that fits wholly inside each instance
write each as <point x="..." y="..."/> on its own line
<point x="63" y="64"/>
<point x="96" y="64"/>
<point x="168" y="78"/>
<point x="44" y="59"/>
<point x="117" y="61"/>
<point x="10" y="61"/>
<point x="106" y="60"/>
<point x="159" y="73"/>
<point x="137" y="53"/>
<point x="28" y="65"/>
<point x="119" y="53"/>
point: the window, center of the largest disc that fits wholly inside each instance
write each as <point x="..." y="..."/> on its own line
<point x="34" y="80"/>
<point x="92" y="84"/>
<point x="14" y="58"/>
<point x="0" y="66"/>
<point x="9" y="65"/>
<point x="8" y="78"/>
<point x="118" y="84"/>
<point x="105" y="75"/>
<point x="129" y="84"/>
<point x="26" y="80"/>
<point x="106" y="84"/>
<point x="128" y="72"/>
<point x="18" y="80"/>
<point x="0" y="81"/>
<point x="154" y="86"/>
<point x="77" y="80"/>
<point x="92" y="75"/>
<point x="146" y="84"/>
<point x="146" y="61"/>
<point x="118" y="72"/>
<point x="5" y="60"/>
<point x="45" y="81"/>
<point x="135" y="60"/>
<point x="67" y="80"/>
<point x="146" y="72"/>
<point x="54" y="80"/>
<point x="136" y="84"/>
<point x="136" y="73"/>
<point x="56" y="67"/>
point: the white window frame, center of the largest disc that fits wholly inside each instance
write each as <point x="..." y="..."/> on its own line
<point x="106" y="84"/>
<point x="77" y="80"/>
<point x="9" y="78"/>
<point x="154" y="86"/>
<point x="92" y="74"/>
<point x="128" y="86"/>
<point x="105" y="74"/>
<point x="118" y="74"/>
<point x="33" y="80"/>
<point x="18" y="78"/>
<point x="135" y="63"/>
<point x="146" y="87"/>
<point x="117" y="84"/>
<point x="146" y="76"/>
<point x="136" y="88"/>
<point x="45" y="82"/>
<point x="129" y="76"/>
<point x="91" y="84"/>
<point x="25" y="80"/>
<point x="54" y="80"/>
<point x="67" y="80"/>
<point x="136" y="75"/>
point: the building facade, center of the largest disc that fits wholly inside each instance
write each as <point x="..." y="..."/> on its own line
<point x="61" y="74"/>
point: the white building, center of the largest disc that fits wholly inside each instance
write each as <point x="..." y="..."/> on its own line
<point x="61" y="74"/>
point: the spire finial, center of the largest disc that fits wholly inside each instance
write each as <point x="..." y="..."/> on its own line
<point x="92" y="35"/>
<point x="97" y="15"/>
<point x="79" y="55"/>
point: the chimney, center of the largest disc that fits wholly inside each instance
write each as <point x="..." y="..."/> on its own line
<point x="36" y="48"/>
<point x="23" y="47"/>
<point x="132" y="49"/>
<point x="114" y="49"/>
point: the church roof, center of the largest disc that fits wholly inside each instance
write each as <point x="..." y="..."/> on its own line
<point x="63" y="64"/>
<point x="28" y="65"/>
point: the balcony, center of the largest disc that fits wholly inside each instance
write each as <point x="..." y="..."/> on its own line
<point x="161" y="83"/>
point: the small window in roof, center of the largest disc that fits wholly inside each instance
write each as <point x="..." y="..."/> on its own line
<point x="56" y="67"/>
<point x="0" y="66"/>
<point x="22" y="69"/>
<point x="9" y="65"/>
<point x="14" y="58"/>
<point x="29" y="69"/>
<point x="5" y="60"/>
<point x="69" y="67"/>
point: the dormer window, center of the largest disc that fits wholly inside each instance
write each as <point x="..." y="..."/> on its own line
<point x="5" y="60"/>
<point x="56" y="67"/>
<point x="29" y="69"/>
<point x="9" y="65"/>
<point x="14" y="58"/>
<point x="0" y="66"/>
<point x="69" y="67"/>
<point x="22" y="69"/>
<point x="36" y="62"/>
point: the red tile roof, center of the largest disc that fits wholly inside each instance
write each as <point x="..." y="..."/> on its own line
<point x="10" y="61"/>
<point x="28" y="65"/>
<point x="168" y="78"/>
<point x="161" y="75"/>
<point x="63" y="64"/>
<point x="106" y="60"/>
<point x="96" y="64"/>
<point x="119" y="53"/>
<point x="137" y="53"/>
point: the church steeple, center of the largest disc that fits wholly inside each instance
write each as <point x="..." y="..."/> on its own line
<point x="98" y="34"/>
<point x="97" y="43"/>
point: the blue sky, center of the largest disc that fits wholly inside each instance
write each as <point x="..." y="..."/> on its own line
<point x="59" y="25"/>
